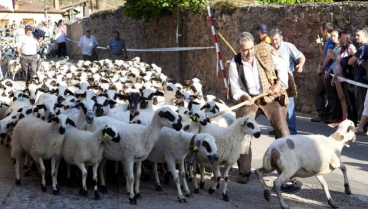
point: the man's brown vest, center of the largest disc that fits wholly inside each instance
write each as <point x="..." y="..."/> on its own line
<point x="267" y="74"/>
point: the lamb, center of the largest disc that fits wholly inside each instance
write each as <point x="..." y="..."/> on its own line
<point x="137" y="142"/>
<point x="228" y="141"/>
<point x="306" y="156"/>
<point x="84" y="148"/>
<point x="41" y="140"/>
<point x="14" y="67"/>
<point x="172" y="147"/>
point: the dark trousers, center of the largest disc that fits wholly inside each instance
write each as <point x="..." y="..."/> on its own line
<point x="319" y="97"/>
<point x="276" y="114"/>
<point x="349" y="93"/>
<point x="62" y="49"/>
<point x="334" y="105"/>
<point x="359" y="93"/>
<point x="29" y="64"/>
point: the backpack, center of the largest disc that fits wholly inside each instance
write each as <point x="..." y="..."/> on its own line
<point x="360" y="70"/>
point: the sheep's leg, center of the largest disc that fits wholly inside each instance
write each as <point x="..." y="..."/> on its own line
<point x="16" y="162"/>
<point x="83" y="191"/>
<point x="190" y="177"/>
<point x="26" y="162"/>
<point x="282" y="179"/>
<point x="172" y="169"/>
<point x="346" y="180"/>
<point x="126" y="175"/>
<point x="196" y="190"/>
<point x="138" y="172"/>
<point x="157" y="179"/>
<point x="325" y="187"/>
<point x="56" y="173"/>
<point x="216" y="179"/>
<point x="53" y="175"/>
<point x="225" y="197"/>
<point x="95" y="167"/>
<point x="43" y="169"/>
<point x="116" y="167"/>
<point x="101" y="170"/>
<point x="185" y="184"/>
<point x="266" y="191"/>
<point x="201" y="183"/>
<point x="130" y="169"/>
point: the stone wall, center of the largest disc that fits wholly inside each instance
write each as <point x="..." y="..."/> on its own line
<point x="299" y="23"/>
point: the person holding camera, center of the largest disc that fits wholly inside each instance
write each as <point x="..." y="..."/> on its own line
<point x="27" y="52"/>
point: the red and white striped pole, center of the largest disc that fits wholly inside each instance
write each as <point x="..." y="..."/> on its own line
<point x="217" y="48"/>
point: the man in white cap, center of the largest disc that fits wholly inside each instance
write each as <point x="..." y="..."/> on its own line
<point x="88" y="44"/>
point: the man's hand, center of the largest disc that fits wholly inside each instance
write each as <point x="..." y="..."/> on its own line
<point x="276" y="88"/>
<point x="247" y="99"/>
<point x="319" y="70"/>
<point x="299" y="68"/>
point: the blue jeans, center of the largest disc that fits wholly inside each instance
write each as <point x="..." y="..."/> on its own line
<point x="291" y="117"/>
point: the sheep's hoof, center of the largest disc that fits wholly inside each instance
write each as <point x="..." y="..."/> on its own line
<point x="138" y="196"/>
<point x="159" y="188"/>
<point x="347" y="189"/>
<point x="97" y="196"/>
<point x="25" y="167"/>
<point x="331" y="203"/>
<point x="28" y="173"/>
<point x="225" y="197"/>
<point x="266" y="194"/>
<point x="83" y="192"/>
<point x="218" y="185"/>
<point x="189" y="179"/>
<point x="189" y="195"/>
<point x="201" y="185"/>
<point x="182" y="200"/>
<point x="43" y="188"/>
<point x="211" y="191"/>
<point x="196" y="191"/>
<point x="55" y="192"/>
<point x="103" y="189"/>
<point x="17" y="182"/>
<point x="133" y="201"/>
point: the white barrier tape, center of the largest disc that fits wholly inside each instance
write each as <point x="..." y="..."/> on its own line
<point x="351" y="82"/>
<point x="171" y="49"/>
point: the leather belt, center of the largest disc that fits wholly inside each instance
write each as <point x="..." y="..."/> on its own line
<point x="29" y="55"/>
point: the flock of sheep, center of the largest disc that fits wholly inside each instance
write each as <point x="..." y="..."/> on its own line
<point x="127" y="112"/>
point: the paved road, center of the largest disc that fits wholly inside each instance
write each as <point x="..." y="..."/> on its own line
<point x="29" y="194"/>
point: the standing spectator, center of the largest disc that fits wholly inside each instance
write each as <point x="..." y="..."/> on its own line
<point x="62" y="27"/>
<point x="291" y="55"/>
<point x="27" y="52"/>
<point x="88" y="44"/>
<point x="359" y="72"/>
<point x="249" y="78"/>
<point x="45" y="28"/>
<point x="343" y="48"/>
<point x="61" y="42"/>
<point x="262" y="34"/>
<point x="1" y="71"/>
<point x="20" y="30"/>
<point x="51" y="28"/>
<point x="320" y="90"/>
<point x="117" y="47"/>
<point x="7" y="32"/>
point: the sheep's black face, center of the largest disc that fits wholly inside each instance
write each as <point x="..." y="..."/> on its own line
<point x="213" y="158"/>
<point x="32" y="101"/>
<point x="179" y="95"/>
<point x="60" y="99"/>
<point x="113" y="133"/>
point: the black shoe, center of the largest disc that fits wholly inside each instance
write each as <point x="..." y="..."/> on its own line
<point x="272" y="132"/>
<point x="330" y="120"/>
<point x="243" y="178"/>
<point x="318" y="119"/>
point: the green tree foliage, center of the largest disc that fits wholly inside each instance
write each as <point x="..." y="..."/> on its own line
<point x="138" y="9"/>
<point x="290" y="1"/>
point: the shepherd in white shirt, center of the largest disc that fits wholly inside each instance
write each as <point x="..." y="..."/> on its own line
<point x="27" y="52"/>
<point x="88" y="44"/>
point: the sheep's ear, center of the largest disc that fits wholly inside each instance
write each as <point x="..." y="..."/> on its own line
<point x="218" y="100"/>
<point x="205" y="106"/>
<point x="158" y="93"/>
<point x="69" y="92"/>
<point x="25" y="96"/>
<point x="70" y="122"/>
<point x="216" y="107"/>
<point x="168" y="88"/>
<point x="112" y="102"/>
<point x="337" y="136"/>
<point x="208" y="120"/>
<point x="123" y="97"/>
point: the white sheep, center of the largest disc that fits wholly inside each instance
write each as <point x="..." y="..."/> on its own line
<point x="228" y="141"/>
<point x="14" y="67"/>
<point x="172" y="147"/>
<point x="137" y="142"/>
<point x="84" y="148"/>
<point x="306" y="156"/>
<point x="41" y="140"/>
